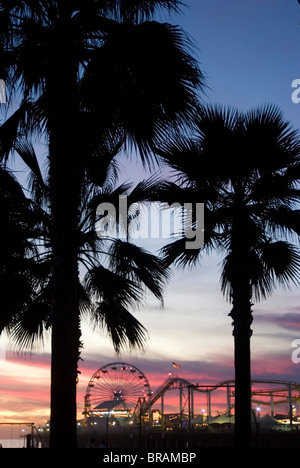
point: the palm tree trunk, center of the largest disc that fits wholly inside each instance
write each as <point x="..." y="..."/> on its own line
<point x="65" y="313"/>
<point x="242" y="319"/>
<point x="63" y="421"/>
<point x="64" y="185"/>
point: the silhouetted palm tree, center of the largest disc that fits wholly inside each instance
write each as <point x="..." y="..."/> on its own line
<point x="115" y="275"/>
<point x="20" y="225"/>
<point x="245" y="168"/>
<point x="90" y="66"/>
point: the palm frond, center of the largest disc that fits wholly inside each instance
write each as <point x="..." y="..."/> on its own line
<point x="16" y="294"/>
<point x="122" y="327"/>
<point x="284" y="220"/>
<point x="30" y="325"/>
<point x="144" y="101"/>
<point x="176" y="253"/>
<point x="281" y="261"/>
<point x="106" y="285"/>
<point x="140" y="266"/>
<point x="139" y="10"/>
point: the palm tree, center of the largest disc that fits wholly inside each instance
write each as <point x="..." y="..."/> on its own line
<point x="65" y="57"/>
<point x="115" y="274"/>
<point x="245" y="168"/>
<point x="20" y="225"/>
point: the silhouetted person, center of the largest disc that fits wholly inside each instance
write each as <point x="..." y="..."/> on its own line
<point x="92" y="443"/>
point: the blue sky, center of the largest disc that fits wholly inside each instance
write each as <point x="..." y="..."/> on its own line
<point x="249" y="52"/>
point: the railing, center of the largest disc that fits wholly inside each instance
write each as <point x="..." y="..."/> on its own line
<point x="13" y="432"/>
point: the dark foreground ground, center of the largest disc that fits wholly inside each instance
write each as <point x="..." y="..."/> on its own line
<point x="182" y="440"/>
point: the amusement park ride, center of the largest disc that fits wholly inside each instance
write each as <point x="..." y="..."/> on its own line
<point x="121" y="391"/>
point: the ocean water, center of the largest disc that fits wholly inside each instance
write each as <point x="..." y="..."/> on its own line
<point x="13" y="443"/>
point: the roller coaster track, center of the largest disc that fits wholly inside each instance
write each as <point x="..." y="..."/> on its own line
<point x="178" y="382"/>
<point x="168" y="384"/>
<point x="294" y="385"/>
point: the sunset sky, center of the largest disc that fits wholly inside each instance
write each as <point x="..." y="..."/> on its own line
<point x="249" y="52"/>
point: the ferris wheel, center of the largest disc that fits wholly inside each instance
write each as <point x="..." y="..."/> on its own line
<point x="114" y="384"/>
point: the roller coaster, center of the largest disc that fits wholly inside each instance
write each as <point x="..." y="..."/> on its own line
<point x="281" y="392"/>
<point x="121" y="387"/>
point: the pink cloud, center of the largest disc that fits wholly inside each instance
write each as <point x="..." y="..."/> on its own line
<point x="290" y="320"/>
<point x="31" y="360"/>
